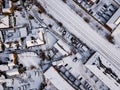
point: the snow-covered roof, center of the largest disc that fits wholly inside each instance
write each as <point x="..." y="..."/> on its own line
<point x="4" y="67"/>
<point x="107" y="79"/>
<point x="116" y="35"/>
<point x="37" y="40"/>
<point x="12" y="72"/>
<point x="62" y="47"/>
<point x="23" y="32"/>
<point x="112" y="22"/>
<point x="4" y="22"/>
<point x="7" y="7"/>
<point x="53" y="76"/>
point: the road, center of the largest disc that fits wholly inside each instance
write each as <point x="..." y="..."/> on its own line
<point x="34" y="13"/>
<point x="77" y="26"/>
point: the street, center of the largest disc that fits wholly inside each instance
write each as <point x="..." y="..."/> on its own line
<point x="82" y="30"/>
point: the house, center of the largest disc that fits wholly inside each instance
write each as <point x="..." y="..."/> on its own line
<point x="4" y="22"/>
<point x="114" y="20"/>
<point x="53" y="76"/>
<point x="35" y="39"/>
<point x="62" y="47"/>
<point x="14" y="38"/>
<point x="12" y="72"/>
<point x="13" y="43"/>
<point x="7" y="5"/>
<point x="23" y="32"/>
<point x="104" y="70"/>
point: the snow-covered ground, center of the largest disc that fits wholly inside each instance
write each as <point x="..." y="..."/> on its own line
<point x="60" y="38"/>
<point x="83" y="31"/>
<point x="29" y="58"/>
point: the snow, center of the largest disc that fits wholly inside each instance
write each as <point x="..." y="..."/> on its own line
<point x="108" y="80"/>
<point x="12" y="72"/>
<point x="39" y="39"/>
<point x="8" y="5"/>
<point x="92" y="22"/>
<point x="112" y="23"/>
<point x="94" y="58"/>
<point x="50" y="86"/>
<point x="23" y="32"/>
<point x="50" y="39"/>
<point x="75" y="66"/>
<point x="82" y="30"/>
<point x="4" y="67"/>
<point x="118" y="1"/>
<point x="36" y="42"/>
<point x="20" y="20"/>
<point x="62" y="47"/>
<point x="116" y="35"/>
<point x="29" y="59"/>
<point x="103" y="77"/>
<point x="31" y="79"/>
<point x="36" y="75"/>
<point x="5" y="22"/>
<point x="57" y="80"/>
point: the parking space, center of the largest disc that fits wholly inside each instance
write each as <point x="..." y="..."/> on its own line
<point x="104" y="13"/>
<point x="101" y="10"/>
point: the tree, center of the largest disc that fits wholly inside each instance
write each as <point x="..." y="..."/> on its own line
<point x="86" y="20"/>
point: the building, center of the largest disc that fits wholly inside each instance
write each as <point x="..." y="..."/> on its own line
<point x="62" y="47"/>
<point x="72" y="70"/>
<point x="114" y="20"/>
<point x="5" y="22"/>
<point x="53" y="76"/>
<point x="14" y="38"/>
<point x="7" y="6"/>
<point x="36" y="38"/>
<point x="104" y="70"/>
<point x="12" y="72"/>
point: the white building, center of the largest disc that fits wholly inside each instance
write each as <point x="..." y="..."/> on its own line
<point x="53" y="76"/>
<point x="35" y="39"/>
<point x="114" y="20"/>
<point x="7" y="6"/>
<point x="93" y="65"/>
<point x="62" y="47"/>
<point x="4" y="22"/>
